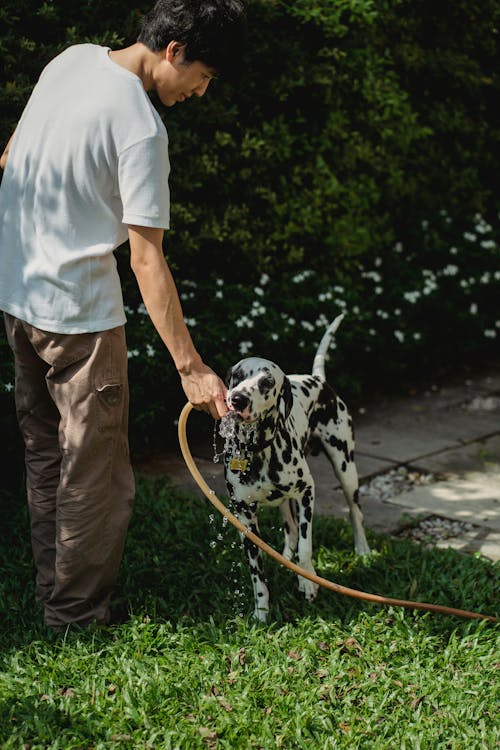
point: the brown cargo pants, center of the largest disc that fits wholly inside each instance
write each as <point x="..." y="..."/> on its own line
<point x="72" y="405"/>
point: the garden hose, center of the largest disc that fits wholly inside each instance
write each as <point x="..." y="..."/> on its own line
<point x="324" y="582"/>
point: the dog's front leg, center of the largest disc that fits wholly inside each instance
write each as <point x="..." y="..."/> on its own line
<point x="247" y="515"/>
<point x="288" y="510"/>
<point x="304" y="551"/>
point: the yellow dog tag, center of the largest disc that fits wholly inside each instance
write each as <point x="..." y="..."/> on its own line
<point x="238" y="464"/>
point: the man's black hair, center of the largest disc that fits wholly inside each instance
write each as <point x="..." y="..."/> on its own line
<point x="213" y="31"/>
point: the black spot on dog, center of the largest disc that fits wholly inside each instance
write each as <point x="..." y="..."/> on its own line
<point x="303" y="530"/>
<point x="274" y="495"/>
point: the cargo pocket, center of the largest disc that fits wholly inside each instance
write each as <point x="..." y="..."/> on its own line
<point x="110" y="406"/>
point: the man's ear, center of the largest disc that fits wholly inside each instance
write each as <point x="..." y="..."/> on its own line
<point x="174" y="51"/>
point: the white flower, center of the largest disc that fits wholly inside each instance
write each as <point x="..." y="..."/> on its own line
<point x="482" y="226"/>
<point x="244" y="321"/>
<point x="450" y="270"/>
<point x="485" y="278"/>
<point x="322" y="321"/>
<point x="264" y="279"/>
<point x="307" y="325"/>
<point x="324" y="296"/>
<point x="150" y="351"/>
<point x="190" y="322"/>
<point x="341" y="303"/>
<point x="258" y="291"/>
<point x="488" y="244"/>
<point x="373" y="275"/>
<point x="142" y="309"/>
<point x="302" y="276"/>
<point x="473" y="309"/>
<point x="219" y="294"/>
<point x="8" y="387"/>
<point x="132" y="353"/>
<point x="470" y="237"/>
<point x="417" y="336"/>
<point x="453" y="251"/>
<point x="398" y="247"/>
<point x="490" y="333"/>
<point x="338" y="289"/>
<point x="400" y="336"/>
<point x="411" y="297"/>
<point x="245" y="347"/>
<point x="257" y="309"/>
<point x="291" y="321"/>
<point x="128" y="310"/>
<point x="379" y="289"/>
<point x="219" y="282"/>
<point x="274" y="336"/>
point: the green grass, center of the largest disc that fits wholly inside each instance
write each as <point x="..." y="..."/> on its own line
<point x="190" y="669"/>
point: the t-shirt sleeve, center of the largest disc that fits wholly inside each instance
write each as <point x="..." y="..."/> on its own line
<point x="143" y="171"/>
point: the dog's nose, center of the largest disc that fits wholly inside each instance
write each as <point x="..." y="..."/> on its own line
<point x="239" y="401"/>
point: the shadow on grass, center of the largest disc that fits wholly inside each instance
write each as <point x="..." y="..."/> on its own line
<point x="183" y="561"/>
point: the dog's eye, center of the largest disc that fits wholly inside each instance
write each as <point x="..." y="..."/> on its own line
<point x="267" y="382"/>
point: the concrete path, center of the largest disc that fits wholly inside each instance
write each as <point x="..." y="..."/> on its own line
<point x="448" y="436"/>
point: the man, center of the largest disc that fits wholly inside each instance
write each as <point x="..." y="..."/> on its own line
<point x="87" y="167"/>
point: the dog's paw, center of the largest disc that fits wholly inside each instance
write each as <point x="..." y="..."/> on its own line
<point x="260" y="614"/>
<point x="308" y="588"/>
<point x="363" y="548"/>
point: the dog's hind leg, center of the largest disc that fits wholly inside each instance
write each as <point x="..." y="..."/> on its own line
<point x="247" y="515"/>
<point x="304" y="546"/>
<point x="338" y="443"/>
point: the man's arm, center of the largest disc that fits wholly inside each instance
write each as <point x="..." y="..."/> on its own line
<point x="203" y="388"/>
<point x="3" y="158"/>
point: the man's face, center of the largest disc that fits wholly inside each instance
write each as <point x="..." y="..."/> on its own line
<point x="177" y="80"/>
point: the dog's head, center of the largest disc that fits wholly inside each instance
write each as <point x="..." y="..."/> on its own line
<point x="256" y="387"/>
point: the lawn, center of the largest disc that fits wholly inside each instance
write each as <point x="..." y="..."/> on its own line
<point x="190" y="669"/>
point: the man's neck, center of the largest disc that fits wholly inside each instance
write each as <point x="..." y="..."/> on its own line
<point x="138" y="59"/>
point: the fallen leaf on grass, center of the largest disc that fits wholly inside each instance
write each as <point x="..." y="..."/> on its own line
<point x="416" y="702"/>
<point x="209" y="736"/>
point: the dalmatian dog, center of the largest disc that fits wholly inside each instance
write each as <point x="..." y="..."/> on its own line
<point x="275" y="421"/>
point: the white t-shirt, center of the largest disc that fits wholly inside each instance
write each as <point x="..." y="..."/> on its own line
<point x="89" y="156"/>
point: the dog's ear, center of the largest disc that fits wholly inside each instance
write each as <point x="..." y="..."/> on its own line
<point x="286" y="398"/>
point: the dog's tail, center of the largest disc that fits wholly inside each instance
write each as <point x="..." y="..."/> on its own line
<point x="318" y="367"/>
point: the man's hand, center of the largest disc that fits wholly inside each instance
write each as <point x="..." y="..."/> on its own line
<point x="205" y="391"/>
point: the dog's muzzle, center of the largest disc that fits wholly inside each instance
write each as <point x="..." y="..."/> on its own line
<point x="239" y="403"/>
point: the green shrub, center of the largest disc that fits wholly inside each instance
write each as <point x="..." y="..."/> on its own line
<point x="358" y="151"/>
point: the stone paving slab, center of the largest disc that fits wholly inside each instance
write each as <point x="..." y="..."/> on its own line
<point x="406" y="428"/>
<point x="481" y="455"/>
<point x="475" y="500"/>
<point x="485" y="541"/>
